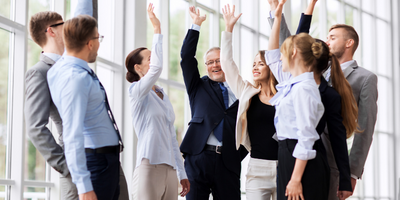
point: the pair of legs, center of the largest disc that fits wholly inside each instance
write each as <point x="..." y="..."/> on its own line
<point x="315" y="180"/>
<point x="155" y="182"/>
<point x="261" y="179"/>
<point x="69" y="191"/>
<point x="208" y="174"/>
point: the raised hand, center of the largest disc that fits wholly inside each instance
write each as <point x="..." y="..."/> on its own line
<point x="196" y="17"/>
<point x="310" y="8"/>
<point x="273" y="4"/>
<point x="229" y="17"/>
<point x="279" y="8"/>
<point x="154" y="20"/>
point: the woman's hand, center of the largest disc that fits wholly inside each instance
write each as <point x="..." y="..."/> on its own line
<point x="294" y="190"/>
<point x="310" y="8"/>
<point x="197" y="19"/>
<point x="279" y="8"/>
<point x="156" y="23"/>
<point x="229" y="17"/>
<point x="185" y="187"/>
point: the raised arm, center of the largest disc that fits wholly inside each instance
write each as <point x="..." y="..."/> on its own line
<point x="306" y="17"/>
<point x="228" y="65"/>
<point x="191" y="75"/>
<point x="85" y="7"/>
<point x="274" y="38"/>
<point x="144" y="85"/>
<point x="284" y="30"/>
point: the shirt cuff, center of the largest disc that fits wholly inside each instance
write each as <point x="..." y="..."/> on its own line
<point x="303" y="154"/>
<point x="182" y="175"/>
<point x="84" y="186"/>
<point x="272" y="14"/>
<point x="354" y="176"/>
<point x="195" y="27"/>
<point x="272" y="56"/>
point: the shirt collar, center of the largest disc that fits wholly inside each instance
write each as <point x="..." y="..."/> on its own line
<point x="52" y="56"/>
<point x="77" y="61"/>
<point x="346" y="64"/>
<point x="302" y="77"/>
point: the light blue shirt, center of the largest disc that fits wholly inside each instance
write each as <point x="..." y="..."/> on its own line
<point x="86" y="123"/>
<point x="153" y="117"/>
<point x="212" y="140"/>
<point x="298" y="107"/>
<point x="52" y="56"/>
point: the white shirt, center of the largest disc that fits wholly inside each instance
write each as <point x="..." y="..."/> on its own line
<point x="298" y="109"/>
<point x="52" y="56"/>
<point x="153" y="117"/>
<point x="212" y="140"/>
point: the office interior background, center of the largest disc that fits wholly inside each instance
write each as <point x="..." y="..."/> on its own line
<point x="25" y="175"/>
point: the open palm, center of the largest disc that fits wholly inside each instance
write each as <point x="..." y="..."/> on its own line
<point x="229" y="17"/>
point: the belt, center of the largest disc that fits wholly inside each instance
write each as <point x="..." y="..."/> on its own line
<point x="107" y="149"/>
<point x="216" y="149"/>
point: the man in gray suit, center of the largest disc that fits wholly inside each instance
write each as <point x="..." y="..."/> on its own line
<point x="343" y="41"/>
<point x="46" y="30"/>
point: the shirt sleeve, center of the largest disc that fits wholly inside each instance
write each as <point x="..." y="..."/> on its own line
<point x="180" y="169"/>
<point x="273" y="59"/>
<point x="144" y="85"/>
<point x="308" y="109"/>
<point x="73" y="105"/>
<point x="195" y="27"/>
<point x="84" y="7"/>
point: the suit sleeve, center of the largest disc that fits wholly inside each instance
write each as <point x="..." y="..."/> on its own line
<point x="37" y="112"/>
<point x="284" y="31"/>
<point x="191" y="75"/>
<point x="367" y="112"/>
<point x="337" y="136"/>
<point x="304" y="24"/>
<point x="228" y="65"/>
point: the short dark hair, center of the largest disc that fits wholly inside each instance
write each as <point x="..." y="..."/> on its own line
<point x="39" y="23"/>
<point x="132" y="59"/>
<point x="351" y="33"/>
<point x="78" y="31"/>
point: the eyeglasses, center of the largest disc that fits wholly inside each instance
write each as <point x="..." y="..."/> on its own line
<point x="101" y="37"/>
<point x="211" y="62"/>
<point x="54" y="25"/>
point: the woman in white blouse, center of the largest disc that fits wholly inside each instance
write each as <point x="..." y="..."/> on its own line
<point x="159" y="162"/>
<point x="303" y="172"/>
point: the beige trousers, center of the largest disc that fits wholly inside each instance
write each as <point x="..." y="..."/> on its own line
<point x="261" y="179"/>
<point x="154" y="182"/>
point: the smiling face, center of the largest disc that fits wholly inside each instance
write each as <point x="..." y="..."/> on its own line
<point x="214" y="70"/>
<point x="260" y="72"/>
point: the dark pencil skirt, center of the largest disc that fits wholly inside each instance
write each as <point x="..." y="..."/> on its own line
<point x="315" y="180"/>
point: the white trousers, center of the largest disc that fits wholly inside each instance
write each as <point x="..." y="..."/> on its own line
<point x="261" y="179"/>
<point x="154" y="182"/>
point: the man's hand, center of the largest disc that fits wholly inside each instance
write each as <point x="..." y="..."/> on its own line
<point x="279" y="8"/>
<point x="197" y="19"/>
<point x="88" y="196"/>
<point x="229" y="17"/>
<point x="154" y="20"/>
<point x="273" y="4"/>
<point x="185" y="187"/>
<point x="344" y="194"/>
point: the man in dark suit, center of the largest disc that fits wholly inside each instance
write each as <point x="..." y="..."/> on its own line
<point x="212" y="162"/>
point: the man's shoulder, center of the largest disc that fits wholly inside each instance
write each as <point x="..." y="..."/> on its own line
<point x="40" y="67"/>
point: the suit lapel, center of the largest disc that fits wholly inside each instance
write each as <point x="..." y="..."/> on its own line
<point x="350" y="69"/>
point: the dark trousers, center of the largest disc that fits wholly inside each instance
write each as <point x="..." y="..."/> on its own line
<point x="104" y="174"/>
<point x="315" y="180"/>
<point x="208" y="174"/>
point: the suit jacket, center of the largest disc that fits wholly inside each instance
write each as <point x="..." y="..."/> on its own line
<point x="365" y="90"/>
<point x="333" y="134"/>
<point x="38" y="108"/>
<point x="207" y="109"/>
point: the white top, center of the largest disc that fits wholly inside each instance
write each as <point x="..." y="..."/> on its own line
<point x="298" y="109"/>
<point x="153" y="117"/>
<point x="212" y="140"/>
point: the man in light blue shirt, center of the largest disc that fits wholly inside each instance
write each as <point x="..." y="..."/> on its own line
<point x="91" y="136"/>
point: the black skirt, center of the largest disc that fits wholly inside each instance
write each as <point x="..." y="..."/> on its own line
<point x="315" y="179"/>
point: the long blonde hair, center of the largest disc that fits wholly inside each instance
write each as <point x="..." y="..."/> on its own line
<point x="271" y="80"/>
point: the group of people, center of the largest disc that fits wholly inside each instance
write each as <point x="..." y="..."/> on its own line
<point x="306" y="98"/>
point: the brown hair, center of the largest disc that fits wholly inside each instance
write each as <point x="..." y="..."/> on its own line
<point x="307" y="48"/>
<point x="131" y="60"/>
<point x="78" y="31"/>
<point x="39" y="23"/>
<point x="271" y="80"/>
<point x="350" y="33"/>
<point x="342" y="86"/>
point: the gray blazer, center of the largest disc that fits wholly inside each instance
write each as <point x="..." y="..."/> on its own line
<point x="365" y="90"/>
<point x="38" y="108"/>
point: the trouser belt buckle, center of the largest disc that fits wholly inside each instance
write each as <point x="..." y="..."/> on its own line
<point x="218" y="149"/>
